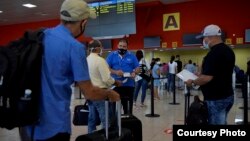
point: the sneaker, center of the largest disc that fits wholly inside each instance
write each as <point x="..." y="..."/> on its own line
<point x="157" y="98"/>
<point x="142" y="105"/>
<point x="134" y="103"/>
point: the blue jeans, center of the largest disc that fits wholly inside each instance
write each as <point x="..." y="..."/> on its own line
<point x="141" y="84"/>
<point x="218" y="110"/>
<point x="96" y="108"/>
<point x="171" y="82"/>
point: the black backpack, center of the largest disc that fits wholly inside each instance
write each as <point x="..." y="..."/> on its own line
<point x="20" y="80"/>
<point x="143" y="72"/>
<point x="197" y="112"/>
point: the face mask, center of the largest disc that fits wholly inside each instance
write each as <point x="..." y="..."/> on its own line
<point x="82" y="30"/>
<point x="122" y="51"/>
<point x="100" y="54"/>
<point x="158" y="62"/>
<point x="205" y="45"/>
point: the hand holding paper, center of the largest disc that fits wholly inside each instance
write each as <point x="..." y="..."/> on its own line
<point x="124" y="81"/>
<point x="187" y="75"/>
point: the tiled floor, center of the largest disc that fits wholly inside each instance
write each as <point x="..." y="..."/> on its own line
<point x="153" y="127"/>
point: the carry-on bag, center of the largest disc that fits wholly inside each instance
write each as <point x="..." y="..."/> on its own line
<point x="134" y="124"/>
<point x="131" y="122"/>
<point x="81" y="113"/>
<point x="109" y="133"/>
<point x="196" y="113"/>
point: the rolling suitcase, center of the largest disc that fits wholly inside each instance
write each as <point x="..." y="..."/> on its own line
<point x="132" y="123"/>
<point x="109" y="133"/>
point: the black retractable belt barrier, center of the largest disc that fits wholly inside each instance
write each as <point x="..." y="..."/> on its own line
<point x="174" y="95"/>
<point x="187" y="103"/>
<point x="152" y="114"/>
<point x="245" y="99"/>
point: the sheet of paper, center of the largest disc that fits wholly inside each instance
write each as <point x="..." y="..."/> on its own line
<point x="126" y="74"/>
<point x="124" y="81"/>
<point x="137" y="78"/>
<point x="185" y="75"/>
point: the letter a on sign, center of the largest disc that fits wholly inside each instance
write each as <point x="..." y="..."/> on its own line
<point x="171" y="21"/>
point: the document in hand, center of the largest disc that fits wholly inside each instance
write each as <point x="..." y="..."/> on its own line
<point x="185" y="75"/>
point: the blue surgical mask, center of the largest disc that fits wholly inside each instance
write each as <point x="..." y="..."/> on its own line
<point x="205" y="45"/>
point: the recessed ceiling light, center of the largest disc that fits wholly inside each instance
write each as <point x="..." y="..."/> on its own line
<point x="29" y="5"/>
<point x="42" y="14"/>
<point x="1" y="11"/>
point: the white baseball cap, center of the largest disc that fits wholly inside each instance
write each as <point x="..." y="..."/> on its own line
<point x="210" y="30"/>
<point x="76" y="10"/>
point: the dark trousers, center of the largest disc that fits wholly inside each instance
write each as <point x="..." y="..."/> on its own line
<point x="25" y="136"/>
<point x="59" y="137"/>
<point x="126" y="94"/>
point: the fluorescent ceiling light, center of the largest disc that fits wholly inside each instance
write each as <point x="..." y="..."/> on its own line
<point x="42" y="14"/>
<point x="109" y="37"/>
<point x="29" y="5"/>
<point x="1" y="11"/>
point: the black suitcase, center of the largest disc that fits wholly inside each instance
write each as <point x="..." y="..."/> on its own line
<point x="111" y="133"/>
<point x="134" y="124"/>
<point x="131" y="122"/>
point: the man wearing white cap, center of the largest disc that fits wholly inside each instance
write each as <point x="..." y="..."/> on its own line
<point x="216" y="76"/>
<point x="64" y="63"/>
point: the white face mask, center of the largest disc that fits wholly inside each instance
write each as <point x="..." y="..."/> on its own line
<point x="205" y="45"/>
<point x="158" y="62"/>
<point x="100" y="52"/>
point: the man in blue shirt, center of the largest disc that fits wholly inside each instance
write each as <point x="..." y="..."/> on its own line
<point x="64" y="63"/>
<point x="124" y="66"/>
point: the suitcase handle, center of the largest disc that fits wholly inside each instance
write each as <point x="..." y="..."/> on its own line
<point x="118" y="113"/>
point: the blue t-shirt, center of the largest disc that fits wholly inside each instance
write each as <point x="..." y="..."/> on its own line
<point x="154" y="71"/>
<point x="66" y="62"/>
<point x="127" y="63"/>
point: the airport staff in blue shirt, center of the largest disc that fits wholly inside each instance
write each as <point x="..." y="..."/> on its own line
<point x="124" y="66"/>
<point x="64" y="63"/>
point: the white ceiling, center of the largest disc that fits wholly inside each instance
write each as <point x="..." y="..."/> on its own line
<point x="15" y="13"/>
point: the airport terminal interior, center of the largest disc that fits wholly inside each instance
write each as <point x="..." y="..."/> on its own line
<point x="161" y="28"/>
<point x="167" y="112"/>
